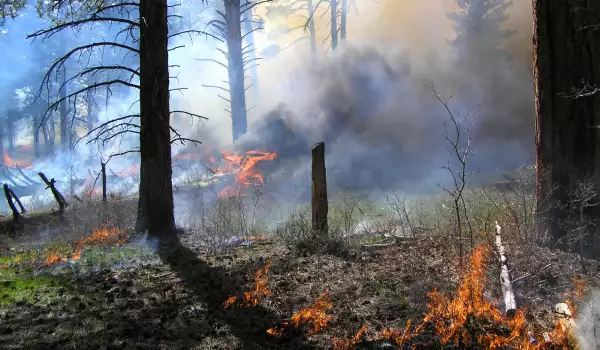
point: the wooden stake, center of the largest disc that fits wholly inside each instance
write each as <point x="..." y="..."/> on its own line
<point x="62" y="203"/>
<point x="12" y="193"/>
<point x="103" y="182"/>
<point x="510" y="300"/>
<point x="319" y="191"/>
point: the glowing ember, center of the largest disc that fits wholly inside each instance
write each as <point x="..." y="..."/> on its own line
<point x="260" y="290"/>
<point x="315" y="314"/>
<point x="244" y="168"/>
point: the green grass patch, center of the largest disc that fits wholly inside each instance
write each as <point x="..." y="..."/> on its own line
<point x="32" y="289"/>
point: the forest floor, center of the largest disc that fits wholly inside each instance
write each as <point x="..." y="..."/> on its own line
<point x="124" y="295"/>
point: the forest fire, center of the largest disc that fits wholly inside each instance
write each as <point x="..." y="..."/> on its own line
<point x="314" y="315"/>
<point x="103" y="236"/>
<point x="260" y="290"/>
<point x="469" y="319"/>
<point x="244" y="169"/>
<point x="24" y="163"/>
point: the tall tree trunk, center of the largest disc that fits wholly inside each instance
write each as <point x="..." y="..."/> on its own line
<point x="343" y="20"/>
<point x="64" y="123"/>
<point x="312" y="31"/>
<point x="250" y="55"/>
<point x="235" y="65"/>
<point x="334" y="27"/>
<point x="566" y="52"/>
<point x="155" y="206"/>
<point x="10" y="130"/>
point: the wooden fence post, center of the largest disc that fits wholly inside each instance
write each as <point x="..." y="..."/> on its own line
<point x="319" y="191"/>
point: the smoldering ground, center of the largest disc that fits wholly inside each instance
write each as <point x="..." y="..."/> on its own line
<point x="371" y="101"/>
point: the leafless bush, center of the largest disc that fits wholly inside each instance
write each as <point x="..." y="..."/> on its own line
<point x="460" y="150"/>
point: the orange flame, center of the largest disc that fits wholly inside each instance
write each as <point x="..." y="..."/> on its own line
<point x="103" y="236"/>
<point x="315" y="314"/>
<point x="260" y="290"/>
<point x="347" y="344"/>
<point x="244" y="169"/>
<point x="22" y="163"/>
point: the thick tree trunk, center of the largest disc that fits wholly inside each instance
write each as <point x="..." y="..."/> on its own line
<point x="64" y="122"/>
<point x="312" y="31"/>
<point x="566" y="52"/>
<point x="334" y="27"/>
<point x="155" y="207"/>
<point x="250" y="55"/>
<point x="343" y="20"/>
<point x="235" y="65"/>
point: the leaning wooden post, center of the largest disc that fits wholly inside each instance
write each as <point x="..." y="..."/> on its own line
<point x="62" y="203"/>
<point x="9" y="200"/>
<point x="14" y="195"/>
<point x="104" y="200"/>
<point x="510" y="300"/>
<point x="319" y="191"/>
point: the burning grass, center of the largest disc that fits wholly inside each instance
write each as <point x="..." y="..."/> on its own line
<point x="253" y="296"/>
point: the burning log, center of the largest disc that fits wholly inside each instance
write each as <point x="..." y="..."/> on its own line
<point x="62" y="203"/>
<point x="319" y="191"/>
<point x="11" y="204"/>
<point x="510" y="300"/>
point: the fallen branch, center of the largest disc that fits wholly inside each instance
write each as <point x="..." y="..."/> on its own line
<point x="510" y="300"/>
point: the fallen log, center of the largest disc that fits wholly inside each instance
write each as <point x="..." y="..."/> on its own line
<point x="510" y="300"/>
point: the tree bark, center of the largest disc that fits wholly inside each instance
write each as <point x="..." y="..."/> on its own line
<point x="334" y="28"/>
<point x="566" y="52"/>
<point x="155" y="206"/>
<point x="320" y="206"/>
<point x="235" y="66"/>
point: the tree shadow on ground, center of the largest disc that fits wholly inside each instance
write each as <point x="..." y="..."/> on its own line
<point x="213" y="285"/>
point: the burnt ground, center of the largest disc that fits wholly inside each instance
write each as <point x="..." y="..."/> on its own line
<point x="174" y="300"/>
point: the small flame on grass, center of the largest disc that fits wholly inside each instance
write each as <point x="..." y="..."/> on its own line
<point x="261" y="289"/>
<point x="103" y="236"/>
<point x="315" y="314"/>
<point x="347" y="344"/>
